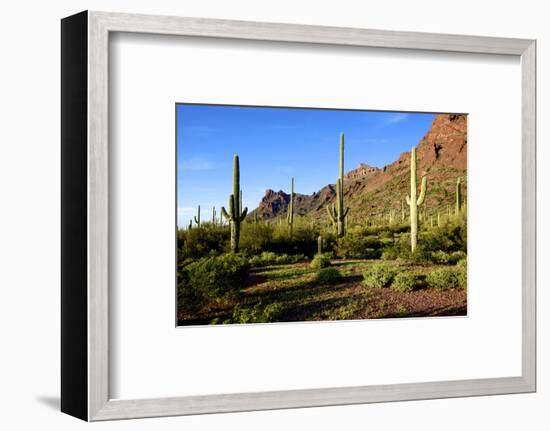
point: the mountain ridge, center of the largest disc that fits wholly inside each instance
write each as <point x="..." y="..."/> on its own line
<point x="372" y="192"/>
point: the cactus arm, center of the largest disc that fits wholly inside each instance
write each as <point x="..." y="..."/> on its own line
<point x="240" y="208"/>
<point x="243" y="215"/>
<point x="224" y="213"/>
<point x="422" y="196"/>
<point x="197" y="218"/>
<point x="408" y="199"/>
<point x="330" y="215"/>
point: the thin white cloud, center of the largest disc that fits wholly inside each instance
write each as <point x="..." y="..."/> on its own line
<point x="395" y="118"/>
<point x="197" y="164"/>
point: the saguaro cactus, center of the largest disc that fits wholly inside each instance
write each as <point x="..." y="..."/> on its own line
<point x="458" y="197"/>
<point x="190" y="224"/>
<point x="197" y="218"/>
<point x="319" y="244"/>
<point x="391" y="217"/>
<point x="235" y="215"/>
<point x="290" y="215"/>
<point x="414" y="202"/>
<point x="337" y="213"/>
<point x="213" y="216"/>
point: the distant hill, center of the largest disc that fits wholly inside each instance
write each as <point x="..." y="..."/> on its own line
<point x="372" y="192"/>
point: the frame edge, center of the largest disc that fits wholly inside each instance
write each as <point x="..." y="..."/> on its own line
<point x="100" y="406"/>
<point x="74" y="130"/>
<point x="529" y="191"/>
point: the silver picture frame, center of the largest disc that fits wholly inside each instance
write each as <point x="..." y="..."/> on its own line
<point x="85" y="215"/>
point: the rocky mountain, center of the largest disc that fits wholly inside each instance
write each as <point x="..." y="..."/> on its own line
<point x="372" y="192"/>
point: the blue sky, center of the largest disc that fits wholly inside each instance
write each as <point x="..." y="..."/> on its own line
<point x="275" y="144"/>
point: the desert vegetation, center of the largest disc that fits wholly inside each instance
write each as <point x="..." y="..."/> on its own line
<point x="407" y="260"/>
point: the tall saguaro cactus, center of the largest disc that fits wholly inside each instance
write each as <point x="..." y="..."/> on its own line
<point x="458" y="197"/>
<point x="290" y="215"/>
<point x="198" y="217"/>
<point x="337" y="213"/>
<point x="213" y="216"/>
<point x="414" y="201"/>
<point x="235" y="215"/>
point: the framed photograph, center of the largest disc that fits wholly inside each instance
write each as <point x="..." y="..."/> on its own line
<point x="265" y="216"/>
<point x="349" y="250"/>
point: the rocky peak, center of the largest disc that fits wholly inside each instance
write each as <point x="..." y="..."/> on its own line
<point x="364" y="170"/>
<point x="273" y="203"/>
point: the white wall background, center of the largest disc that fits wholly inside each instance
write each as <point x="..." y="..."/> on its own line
<point x="29" y="215"/>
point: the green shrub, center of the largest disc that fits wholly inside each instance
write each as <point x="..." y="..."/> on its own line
<point x="451" y="258"/>
<point x="440" y="256"/>
<point x="389" y="254"/>
<point x="258" y="313"/>
<point x="267" y="258"/>
<point x="401" y="249"/>
<point x="447" y="278"/>
<point x="255" y="237"/>
<point x="456" y="256"/>
<point x="449" y="237"/>
<point x="406" y="281"/>
<point x="303" y="240"/>
<point x="379" y="275"/>
<point x="197" y="243"/>
<point x="328" y="276"/>
<point x="218" y="277"/>
<point x="462" y="278"/>
<point x="189" y="299"/>
<point x="320" y="261"/>
<point x="462" y="268"/>
<point x="285" y="259"/>
<point x="357" y="246"/>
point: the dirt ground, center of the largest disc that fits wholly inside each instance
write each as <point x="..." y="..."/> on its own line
<point x="292" y="292"/>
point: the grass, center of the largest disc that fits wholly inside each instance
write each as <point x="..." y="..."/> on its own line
<point x="290" y="293"/>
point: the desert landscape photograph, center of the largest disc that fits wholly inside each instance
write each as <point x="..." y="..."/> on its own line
<point x="307" y="214"/>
